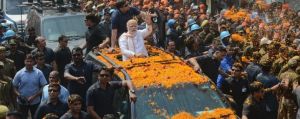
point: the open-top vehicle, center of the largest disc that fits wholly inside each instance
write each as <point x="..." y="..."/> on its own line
<point x="166" y="88"/>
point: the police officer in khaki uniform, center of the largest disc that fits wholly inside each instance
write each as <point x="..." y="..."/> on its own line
<point x="3" y="111"/>
<point x="280" y="61"/>
<point x="287" y="104"/>
<point x="6" y="90"/>
<point x="286" y="66"/>
<point x="9" y="66"/>
<point x="291" y="71"/>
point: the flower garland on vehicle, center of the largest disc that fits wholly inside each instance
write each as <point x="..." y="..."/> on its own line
<point x="159" y="69"/>
<point x="219" y="113"/>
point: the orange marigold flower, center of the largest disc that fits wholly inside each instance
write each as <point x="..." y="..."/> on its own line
<point x="237" y="38"/>
<point x="161" y="69"/>
<point x="183" y="115"/>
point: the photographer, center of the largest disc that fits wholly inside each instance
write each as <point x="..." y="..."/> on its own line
<point x="159" y="33"/>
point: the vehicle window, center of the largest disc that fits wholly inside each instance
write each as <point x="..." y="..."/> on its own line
<point x="11" y="7"/>
<point x="70" y="26"/>
<point x="160" y="103"/>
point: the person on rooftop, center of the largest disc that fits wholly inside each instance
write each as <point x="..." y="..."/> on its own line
<point x="132" y="42"/>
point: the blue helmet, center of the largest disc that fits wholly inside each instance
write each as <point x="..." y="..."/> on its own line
<point x="10" y="33"/>
<point x="195" y="27"/>
<point x="171" y="23"/>
<point x="191" y="21"/>
<point x="224" y="34"/>
<point x="111" y="11"/>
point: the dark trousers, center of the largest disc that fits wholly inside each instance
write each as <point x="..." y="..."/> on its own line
<point x="25" y="108"/>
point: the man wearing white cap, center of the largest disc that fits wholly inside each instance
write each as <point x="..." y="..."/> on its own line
<point x="263" y="44"/>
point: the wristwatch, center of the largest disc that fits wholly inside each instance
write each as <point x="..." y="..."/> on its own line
<point x="131" y="91"/>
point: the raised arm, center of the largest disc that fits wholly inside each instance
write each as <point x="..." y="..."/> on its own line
<point x="148" y="21"/>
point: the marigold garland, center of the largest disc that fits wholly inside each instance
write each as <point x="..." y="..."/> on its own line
<point x="236" y="15"/>
<point x="237" y="38"/>
<point x="161" y="69"/>
<point x="183" y="115"/>
<point x="218" y="113"/>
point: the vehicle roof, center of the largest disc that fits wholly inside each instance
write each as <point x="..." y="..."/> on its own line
<point x="49" y="14"/>
<point x="53" y="12"/>
<point x="160" y="68"/>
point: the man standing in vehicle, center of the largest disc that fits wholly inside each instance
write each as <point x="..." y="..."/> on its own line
<point x="94" y="36"/>
<point x="119" y="20"/>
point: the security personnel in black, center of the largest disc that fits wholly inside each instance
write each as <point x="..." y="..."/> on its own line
<point x="94" y="36"/>
<point x="254" y="107"/>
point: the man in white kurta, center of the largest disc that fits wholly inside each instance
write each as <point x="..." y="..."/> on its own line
<point x="132" y="42"/>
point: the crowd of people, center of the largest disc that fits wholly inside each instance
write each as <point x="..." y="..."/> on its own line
<point x="251" y="52"/>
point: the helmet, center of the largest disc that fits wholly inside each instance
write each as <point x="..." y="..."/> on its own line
<point x="195" y="27"/>
<point x="191" y="21"/>
<point x="204" y="23"/>
<point x="224" y="34"/>
<point x="111" y="11"/>
<point x="171" y="23"/>
<point x="10" y="33"/>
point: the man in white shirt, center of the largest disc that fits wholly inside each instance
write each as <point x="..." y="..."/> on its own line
<point x="132" y="42"/>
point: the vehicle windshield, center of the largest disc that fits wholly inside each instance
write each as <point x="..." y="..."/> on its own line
<point x="70" y="26"/>
<point x="11" y="7"/>
<point x="161" y="103"/>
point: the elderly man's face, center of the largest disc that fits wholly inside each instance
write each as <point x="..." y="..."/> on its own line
<point x="41" y="42"/>
<point x="132" y="26"/>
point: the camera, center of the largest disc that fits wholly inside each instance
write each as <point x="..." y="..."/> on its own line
<point x="154" y="19"/>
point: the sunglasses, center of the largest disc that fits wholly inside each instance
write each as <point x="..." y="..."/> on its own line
<point x="51" y="90"/>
